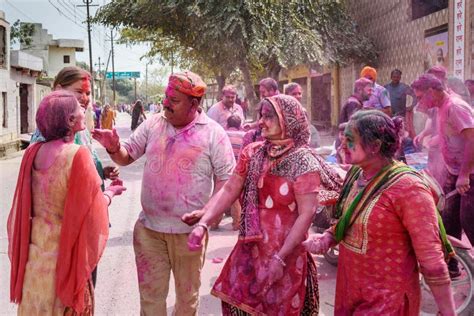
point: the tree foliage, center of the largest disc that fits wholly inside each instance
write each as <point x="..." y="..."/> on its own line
<point x="22" y="33"/>
<point x="249" y="35"/>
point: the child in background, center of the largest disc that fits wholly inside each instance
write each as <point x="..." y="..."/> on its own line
<point x="339" y="152"/>
<point x="236" y="135"/>
<point x="406" y="142"/>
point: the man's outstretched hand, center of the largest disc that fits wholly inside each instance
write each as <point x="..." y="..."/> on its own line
<point x="107" y="138"/>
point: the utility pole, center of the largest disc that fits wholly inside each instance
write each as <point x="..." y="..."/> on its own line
<point x="87" y="5"/>
<point x="105" y="76"/>
<point x="135" y="84"/>
<point x="172" y="62"/>
<point x="146" y="83"/>
<point x="113" y="64"/>
<point x="102" y="79"/>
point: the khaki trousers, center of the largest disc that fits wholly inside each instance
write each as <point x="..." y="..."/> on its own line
<point x="156" y="255"/>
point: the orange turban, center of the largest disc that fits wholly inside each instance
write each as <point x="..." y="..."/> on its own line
<point x="369" y="71"/>
<point x="188" y="83"/>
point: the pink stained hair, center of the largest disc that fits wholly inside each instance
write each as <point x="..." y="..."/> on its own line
<point x="427" y="81"/>
<point x="229" y="88"/>
<point x="54" y="114"/>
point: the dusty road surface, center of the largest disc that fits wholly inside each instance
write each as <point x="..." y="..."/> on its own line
<point x="117" y="290"/>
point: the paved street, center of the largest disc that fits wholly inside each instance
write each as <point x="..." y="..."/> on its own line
<point x="117" y="291"/>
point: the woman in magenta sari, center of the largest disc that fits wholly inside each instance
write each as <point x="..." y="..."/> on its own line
<point x="388" y="231"/>
<point x="58" y="224"/>
<point x="278" y="180"/>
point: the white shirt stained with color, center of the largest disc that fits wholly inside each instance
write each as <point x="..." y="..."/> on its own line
<point x="179" y="168"/>
<point x="220" y="113"/>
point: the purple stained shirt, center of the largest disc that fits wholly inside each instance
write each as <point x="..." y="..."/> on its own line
<point x="179" y="168"/>
<point x="379" y="99"/>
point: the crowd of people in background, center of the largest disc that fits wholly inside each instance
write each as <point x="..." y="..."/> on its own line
<point x="270" y="179"/>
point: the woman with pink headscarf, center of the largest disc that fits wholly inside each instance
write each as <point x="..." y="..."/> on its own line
<point x="279" y="179"/>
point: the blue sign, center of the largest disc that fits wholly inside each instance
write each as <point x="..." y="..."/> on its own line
<point x="123" y="75"/>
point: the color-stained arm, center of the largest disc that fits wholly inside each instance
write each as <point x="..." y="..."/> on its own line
<point x="111" y="142"/>
<point x="217" y="205"/>
<point x="467" y="165"/>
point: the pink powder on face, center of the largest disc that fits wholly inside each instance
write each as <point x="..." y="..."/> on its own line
<point x="86" y="85"/>
<point x="170" y="92"/>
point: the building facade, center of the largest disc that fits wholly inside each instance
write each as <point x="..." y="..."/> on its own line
<point x="55" y="53"/>
<point x="413" y="35"/>
<point x="8" y="117"/>
<point x="410" y="35"/>
<point x="18" y="73"/>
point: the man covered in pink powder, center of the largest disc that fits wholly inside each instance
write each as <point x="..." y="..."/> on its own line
<point x="455" y="127"/>
<point x="227" y="107"/>
<point x="184" y="151"/>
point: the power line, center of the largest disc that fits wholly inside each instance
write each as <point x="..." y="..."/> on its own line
<point x="70" y="10"/>
<point x="66" y="16"/>
<point x="24" y="14"/>
<point x="78" y="12"/>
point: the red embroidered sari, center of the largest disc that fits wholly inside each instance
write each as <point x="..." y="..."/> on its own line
<point x="239" y="282"/>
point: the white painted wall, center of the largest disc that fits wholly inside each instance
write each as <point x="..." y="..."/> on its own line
<point x="56" y="61"/>
<point x="18" y="77"/>
<point x="10" y="132"/>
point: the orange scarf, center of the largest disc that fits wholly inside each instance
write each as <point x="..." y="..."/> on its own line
<point x="84" y="229"/>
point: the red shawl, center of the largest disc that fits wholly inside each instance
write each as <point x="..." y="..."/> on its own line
<point x="84" y="229"/>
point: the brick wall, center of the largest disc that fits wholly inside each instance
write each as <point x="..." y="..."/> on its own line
<point x="398" y="38"/>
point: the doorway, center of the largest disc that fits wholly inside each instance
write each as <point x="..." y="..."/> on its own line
<point x="24" y="108"/>
<point x="321" y="100"/>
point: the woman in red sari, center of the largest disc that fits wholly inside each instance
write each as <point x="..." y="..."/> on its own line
<point x="388" y="231"/>
<point x="58" y="224"/>
<point x="269" y="272"/>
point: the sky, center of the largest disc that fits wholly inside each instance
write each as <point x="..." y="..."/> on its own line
<point x="63" y="19"/>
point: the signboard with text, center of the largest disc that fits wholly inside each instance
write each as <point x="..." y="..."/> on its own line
<point x="123" y="75"/>
<point x="459" y="40"/>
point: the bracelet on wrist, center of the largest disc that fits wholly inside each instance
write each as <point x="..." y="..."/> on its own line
<point x="279" y="259"/>
<point x="113" y="152"/>
<point x="206" y="228"/>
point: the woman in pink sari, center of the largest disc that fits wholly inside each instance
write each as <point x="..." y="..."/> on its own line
<point x="58" y="224"/>
<point x="388" y="231"/>
<point x="269" y="272"/>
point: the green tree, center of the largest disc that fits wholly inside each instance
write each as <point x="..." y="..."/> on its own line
<point x="153" y="89"/>
<point x="83" y="65"/>
<point x="249" y="35"/>
<point x="22" y="33"/>
<point x="124" y="89"/>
